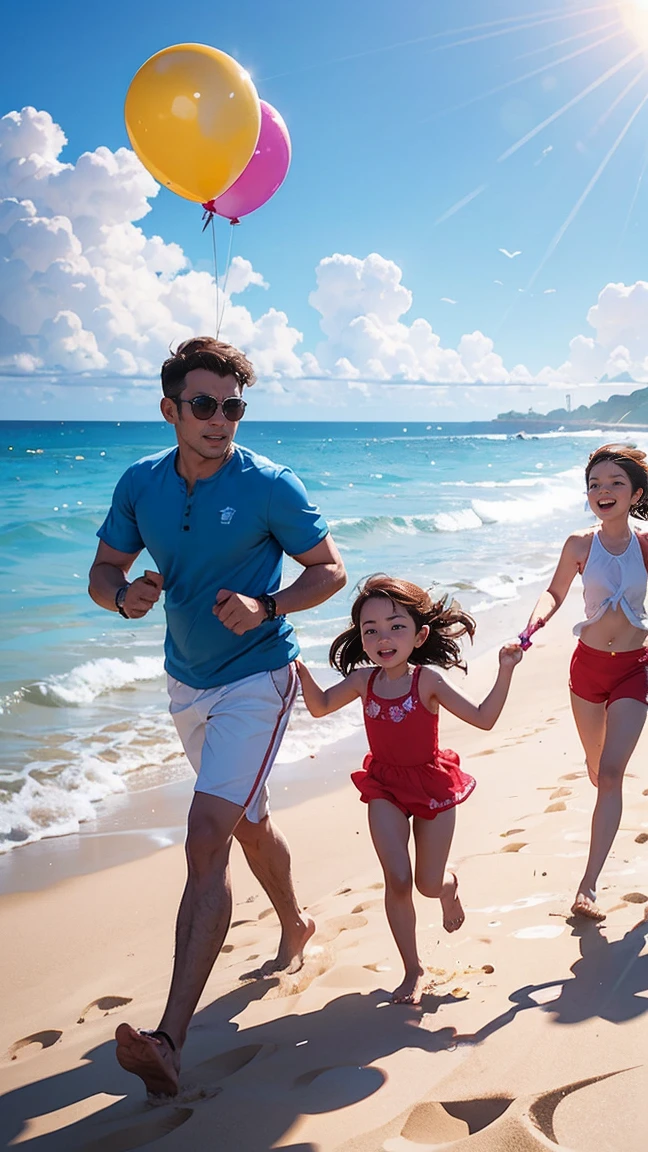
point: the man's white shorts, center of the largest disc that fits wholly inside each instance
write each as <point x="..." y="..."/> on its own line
<point x="232" y="734"/>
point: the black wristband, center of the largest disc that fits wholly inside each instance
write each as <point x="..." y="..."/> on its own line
<point x="120" y="596"/>
<point x="270" y="605"/>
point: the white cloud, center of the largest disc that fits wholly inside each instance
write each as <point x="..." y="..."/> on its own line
<point x="84" y="291"/>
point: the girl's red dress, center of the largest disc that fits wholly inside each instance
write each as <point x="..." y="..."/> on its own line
<point x="405" y="765"/>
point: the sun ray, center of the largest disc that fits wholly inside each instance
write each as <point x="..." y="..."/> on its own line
<point x="529" y="20"/>
<point x="589" y="188"/>
<point x="618" y="99"/>
<point x="635" y="197"/>
<point x="569" y="39"/>
<point x="571" y="103"/>
<point x="526" y="76"/>
<point x="461" y="204"/>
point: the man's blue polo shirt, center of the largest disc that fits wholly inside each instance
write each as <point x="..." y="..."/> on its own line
<point x="230" y="532"/>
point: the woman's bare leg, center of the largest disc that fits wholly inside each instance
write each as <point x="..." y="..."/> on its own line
<point x="625" y="721"/>
<point x="591" y="721"/>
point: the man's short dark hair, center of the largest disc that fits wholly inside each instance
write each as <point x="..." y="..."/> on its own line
<point x="204" y="352"/>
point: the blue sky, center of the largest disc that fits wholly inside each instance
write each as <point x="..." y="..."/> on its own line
<point x="368" y="90"/>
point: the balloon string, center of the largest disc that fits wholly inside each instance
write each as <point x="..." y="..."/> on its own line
<point x="227" y="272"/>
<point x="215" y="256"/>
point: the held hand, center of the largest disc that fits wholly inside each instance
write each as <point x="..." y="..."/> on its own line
<point x="142" y="594"/>
<point x="237" y="612"/>
<point x="510" y="655"/>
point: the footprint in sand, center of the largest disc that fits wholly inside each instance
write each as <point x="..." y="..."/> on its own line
<point x="560" y="792"/>
<point x="104" y="1004"/>
<point x="559" y="806"/>
<point x="448" y="1122"/>
<point x="641" y="838"/>
<point x="337" y="1086"/>
<point x="514" y="847"/>
<point x="375" y="887"/>
<point x="525" y="1124"/>
<point x="227" y="1063"/>
<point x="364" y="907"/>
<point x="511" y="832"/>
<point x="635" y="898"/>
<point x="332" y="928"/>
<point x="45" y="1039"/>
<point x="137" y="1135"/>
<point x="576" y="776"/>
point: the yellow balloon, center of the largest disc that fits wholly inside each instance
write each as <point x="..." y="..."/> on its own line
<point x="193" y="118"/>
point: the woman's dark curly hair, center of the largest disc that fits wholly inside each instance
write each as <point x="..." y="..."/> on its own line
<point x="635" y="465"/>
<point x="447" y="623"/>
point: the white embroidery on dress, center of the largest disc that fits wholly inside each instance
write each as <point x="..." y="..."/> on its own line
<point x="395" y="712"/>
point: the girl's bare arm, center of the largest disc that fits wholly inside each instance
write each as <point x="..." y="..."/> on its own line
<point x="572" y="561"/>
<point x="434" y="687"/>
<point x="321" y="702"/>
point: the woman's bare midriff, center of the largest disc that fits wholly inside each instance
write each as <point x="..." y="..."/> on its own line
<point x="614" y="633"/>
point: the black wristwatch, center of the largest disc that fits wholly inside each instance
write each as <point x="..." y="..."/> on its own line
<point x="120" y="596"/>
<point x="270" y="605"/>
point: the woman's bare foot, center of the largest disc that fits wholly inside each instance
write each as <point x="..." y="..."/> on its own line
<point x="453" y="913"/>
<point x="290" y="956"/>
<point x="585" y="905"/>
<point x="150" y="1057"/>
<point x="409" y="992"/>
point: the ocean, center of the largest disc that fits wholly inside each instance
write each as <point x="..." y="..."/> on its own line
<point x="476" y="511"/>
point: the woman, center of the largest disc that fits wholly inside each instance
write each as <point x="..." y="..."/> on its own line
<point x="608" y="672"/>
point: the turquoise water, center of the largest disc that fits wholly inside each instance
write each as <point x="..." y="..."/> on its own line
<point x="471" y="508"/>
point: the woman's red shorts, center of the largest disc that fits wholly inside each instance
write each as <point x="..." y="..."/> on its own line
<point x="603" y="677"/>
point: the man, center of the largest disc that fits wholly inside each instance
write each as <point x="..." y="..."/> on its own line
<point x="217" y="520"/>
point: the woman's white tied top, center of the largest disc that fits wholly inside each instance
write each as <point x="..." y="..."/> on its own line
<point x="615" y="582"/>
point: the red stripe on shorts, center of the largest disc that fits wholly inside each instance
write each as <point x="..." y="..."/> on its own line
<point x="290" y="696"/>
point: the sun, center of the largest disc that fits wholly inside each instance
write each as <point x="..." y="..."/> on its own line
<point x="634" y="14"/>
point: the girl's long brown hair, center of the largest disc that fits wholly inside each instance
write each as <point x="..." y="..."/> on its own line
<point x="447" y="623"/>
<point x="634" y="464"/>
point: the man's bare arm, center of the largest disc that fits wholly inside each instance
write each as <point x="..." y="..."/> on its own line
<point x="109" y="573"/>
<point x="322" y="577"/>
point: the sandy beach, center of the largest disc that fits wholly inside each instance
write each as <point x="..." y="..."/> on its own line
<point x="531" y="1033"/>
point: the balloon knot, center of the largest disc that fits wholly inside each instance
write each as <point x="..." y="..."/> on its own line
<point x="235" y="220"/>
<point x="209" y="213"/>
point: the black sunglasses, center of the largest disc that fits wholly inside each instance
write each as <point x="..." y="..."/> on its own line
<point x="204" y="407"/>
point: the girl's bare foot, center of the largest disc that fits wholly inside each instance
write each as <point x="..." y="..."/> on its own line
<point x="150" y="1056"/>
<point x="585" y="905"/>
<point x="453" y="913"/>
<point x="409" y="992"/>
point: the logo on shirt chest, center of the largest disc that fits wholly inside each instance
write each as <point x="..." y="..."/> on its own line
<point x="227" y="515"/>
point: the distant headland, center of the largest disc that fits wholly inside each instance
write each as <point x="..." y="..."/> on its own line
<point x="630" y="411"/>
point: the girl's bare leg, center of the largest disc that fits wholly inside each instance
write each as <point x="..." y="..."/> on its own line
<point x="625" y="721"/>
<point x="390" y="831"/>
<point x="591" y="721"/>
<point x="433" y="840"/>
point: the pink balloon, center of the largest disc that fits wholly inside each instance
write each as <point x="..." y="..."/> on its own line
<point x="264" y="174"/>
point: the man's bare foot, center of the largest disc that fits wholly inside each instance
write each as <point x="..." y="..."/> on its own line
<point x="453" y="913"/>
<point x="409" y="992"/>
<point x="150" y="1057"/>
<point x="290" y="956"/>
<point x="585" y="905"/>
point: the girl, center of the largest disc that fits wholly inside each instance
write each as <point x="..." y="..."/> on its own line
<point x="395" y="625"/>
<point x="608" y="678"/>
